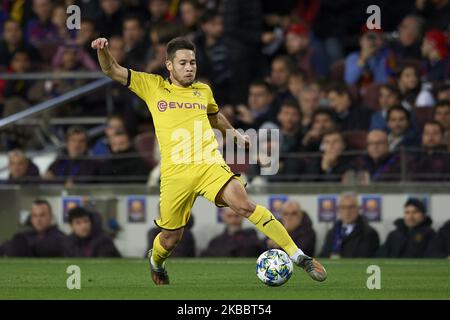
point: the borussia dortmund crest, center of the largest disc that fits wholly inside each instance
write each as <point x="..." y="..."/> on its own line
<point x="197" y="93"/>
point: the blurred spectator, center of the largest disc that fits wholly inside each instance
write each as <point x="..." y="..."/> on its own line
<point x="282" y="67"/>
<point x="379" y="164"/>
<point x="186" y="246"/>
<point x="323" y="120"/>
<point x="16" y="92"/>
<point x="351" y="236"/>
<point x="71" y="57"/>
<point x="109" y="23"/>
<point x="211" y="55"/>
<point x="436" y="62"/>
<point x="330" y="28"/>
<point x="299" y="226"/>
<point x="304" y="53"/>
<point x="21" y="169"/>
<point x="441" y="113"/>
<point x="44" y="240"/>
<point x="443" y="92"/>
<point x="410" y="89"/>
<point x="86" y="35"/>
<point x="309" y="99"/>
<point x="11" y="41"/>
<point x="389" y="97"/>
<point x="350" y="115"/>
<point x="433" y="162"/>
<point x="412" y="235"/>
<point x="289" y="118"/>
<point x="374" y="62"/>
<point x="124" y="165"/>
<point x="332" y="164"/>
<point x="235" y="241"/>
<point x="59" y="20"/>
<point x="401" y="131"/>
<point x="72" y="166"/>
<point x="134" y="40"/>
<point x="260" y="106"/>
<point x="297" y="81"/>
<point x="115" y="123"/>
<point x="41" y="29"/>
<point x="190" y="12"/>
<point x="159" y="13"/>
<point x="244" y="37"/>
<point x="439" y="246"/>
<point x="86" y="240"/>
<point x="410" y="33"/>
<point x="437" y="13"/>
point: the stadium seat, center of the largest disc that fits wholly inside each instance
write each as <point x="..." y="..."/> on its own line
<point x="144" y="144"/>
<point x="423" y="115"/>
<point x="370" y="95"/>
<point x="356" y="139"/>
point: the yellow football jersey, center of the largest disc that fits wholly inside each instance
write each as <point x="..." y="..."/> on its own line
<point x="180" y="117"/>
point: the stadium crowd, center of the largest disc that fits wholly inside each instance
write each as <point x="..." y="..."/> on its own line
<point x="351" y="103"/>
<point x="350" y="236"/>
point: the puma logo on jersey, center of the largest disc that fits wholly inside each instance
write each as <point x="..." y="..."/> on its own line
<point x="271" y="219"/>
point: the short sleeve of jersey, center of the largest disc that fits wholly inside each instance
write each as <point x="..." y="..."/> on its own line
<point x="212" y="108"/>
<point x="142" y="83"/>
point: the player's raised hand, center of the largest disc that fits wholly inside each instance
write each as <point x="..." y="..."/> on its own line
<point x="99" y="43"/>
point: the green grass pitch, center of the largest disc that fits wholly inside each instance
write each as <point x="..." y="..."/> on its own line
<point x="220" y="279"/>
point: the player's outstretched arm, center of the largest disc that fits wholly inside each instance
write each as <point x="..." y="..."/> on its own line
<point x="220" y="122"/>
<point x="109" y="65"/>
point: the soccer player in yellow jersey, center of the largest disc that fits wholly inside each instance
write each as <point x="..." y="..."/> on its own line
<point x="184" y="113"/>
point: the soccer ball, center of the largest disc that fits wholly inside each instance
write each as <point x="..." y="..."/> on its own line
<point x="274" y="267"/>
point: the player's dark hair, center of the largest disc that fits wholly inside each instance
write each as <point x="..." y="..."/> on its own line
<point x="399" y="108"/>
<point x="176" y="44"/>
<point x="79" y="212"/>
<point x="43" y="202"/>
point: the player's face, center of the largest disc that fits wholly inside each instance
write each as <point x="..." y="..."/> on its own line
<point x="412" y="217"/>
<point x="41" y="217"/>
<point x="183" y="67"/>
<point x="81" y="227"/>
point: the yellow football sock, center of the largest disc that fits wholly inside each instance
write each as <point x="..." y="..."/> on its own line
<point x="264" y="220"/>
<point x="159" y="254"/>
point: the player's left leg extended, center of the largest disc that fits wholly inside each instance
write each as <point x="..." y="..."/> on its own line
<point x="163" y="245"/>
<point x="234" y="195"/>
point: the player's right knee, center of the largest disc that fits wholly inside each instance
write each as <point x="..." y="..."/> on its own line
<point x="245" y="208"/>
<point x="170" y="239"/>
